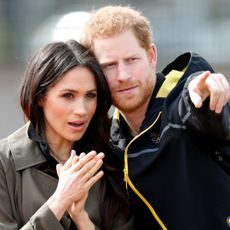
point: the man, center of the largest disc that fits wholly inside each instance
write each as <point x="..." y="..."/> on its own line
<point x="171" y="129"/>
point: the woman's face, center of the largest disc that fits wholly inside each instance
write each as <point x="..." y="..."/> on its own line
<point x="69" y="106"/>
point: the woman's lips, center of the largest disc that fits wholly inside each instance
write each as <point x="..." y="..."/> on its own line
<point x="77" y="125"/>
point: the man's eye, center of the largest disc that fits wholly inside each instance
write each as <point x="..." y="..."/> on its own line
<point x="132" y="59"/>
<point x="108" y="66"/>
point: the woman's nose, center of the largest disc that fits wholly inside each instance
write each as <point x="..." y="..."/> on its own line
<point x="80" y="107"/>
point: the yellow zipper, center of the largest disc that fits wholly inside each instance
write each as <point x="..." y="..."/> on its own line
<point x="129" y="182"/>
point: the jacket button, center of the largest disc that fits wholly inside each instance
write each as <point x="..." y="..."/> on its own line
<point x="220" y="158"/>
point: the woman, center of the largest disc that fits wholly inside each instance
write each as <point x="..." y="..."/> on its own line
<point x="65" y="99"/>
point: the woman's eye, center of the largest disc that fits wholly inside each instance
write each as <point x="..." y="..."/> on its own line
<point x="68" y="95"/>
<point x="91" y="95"/>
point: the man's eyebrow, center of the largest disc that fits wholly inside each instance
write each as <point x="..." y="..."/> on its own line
<point x="107" y="62"/>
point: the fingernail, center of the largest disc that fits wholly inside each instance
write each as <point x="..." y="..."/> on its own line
<point x="73" y="152"/>
<point x="100" y="154"/>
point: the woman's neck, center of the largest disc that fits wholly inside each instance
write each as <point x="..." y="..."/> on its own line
<point x="59" y="147"/>
<point x="60" y="151"/>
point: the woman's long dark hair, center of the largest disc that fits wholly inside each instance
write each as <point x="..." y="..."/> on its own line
<point x="47" y="67"/>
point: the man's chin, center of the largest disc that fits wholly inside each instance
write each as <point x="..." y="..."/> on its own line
<point x="126" y="107"/>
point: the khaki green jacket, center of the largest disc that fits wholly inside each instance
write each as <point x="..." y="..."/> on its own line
<point x="24" y="189"/>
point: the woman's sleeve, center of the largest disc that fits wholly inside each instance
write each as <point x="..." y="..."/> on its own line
<point x="43" y="219"/>
<point x="7" y="221"/>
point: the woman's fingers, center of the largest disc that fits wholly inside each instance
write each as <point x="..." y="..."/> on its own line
<point x="82" y="155"/>
<point x="88" y="173"/>
<point x="78" y="175"/>
<point x="94" y="179"/>
<point x="91" y="169"/>
<point x="58" y="168"/>
<point x="84" y="161"/>
<point x="68" y="163"/>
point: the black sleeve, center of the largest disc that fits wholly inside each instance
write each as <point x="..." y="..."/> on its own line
<point x="203" y="119"/>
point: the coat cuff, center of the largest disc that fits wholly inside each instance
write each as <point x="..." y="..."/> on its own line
<point x="45" y="219"/>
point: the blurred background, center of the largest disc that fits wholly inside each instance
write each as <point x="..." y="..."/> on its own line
<point x="179" y="26"/>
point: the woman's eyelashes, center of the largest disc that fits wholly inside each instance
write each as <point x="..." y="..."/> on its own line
<point x="91" y="94"/>
<point x="70" y="95"/>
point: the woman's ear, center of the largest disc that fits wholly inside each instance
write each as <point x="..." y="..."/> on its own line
<point x="41" y="102"/>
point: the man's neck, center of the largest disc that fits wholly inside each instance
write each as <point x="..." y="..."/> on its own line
<point x="135" y="118"/>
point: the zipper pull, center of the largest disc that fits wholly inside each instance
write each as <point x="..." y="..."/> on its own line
<point x="126" y="182"/>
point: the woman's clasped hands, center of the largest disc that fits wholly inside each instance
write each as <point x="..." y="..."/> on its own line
<point x="76" y="177"/>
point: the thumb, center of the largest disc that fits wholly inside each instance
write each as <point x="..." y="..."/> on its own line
<point x="196" y="99"/>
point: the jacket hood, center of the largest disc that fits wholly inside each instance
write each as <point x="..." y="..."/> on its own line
<point x="188" y="63"/>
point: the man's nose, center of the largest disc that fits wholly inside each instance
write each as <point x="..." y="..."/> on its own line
<point x="123" y="72"/>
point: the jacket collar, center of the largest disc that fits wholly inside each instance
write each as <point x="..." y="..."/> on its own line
<point x="172" y="75"/>
<point x="188" y="63"/>
<point x="25" y="152"/>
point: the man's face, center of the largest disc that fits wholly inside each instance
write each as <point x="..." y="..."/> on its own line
<point x="129" y="69"/>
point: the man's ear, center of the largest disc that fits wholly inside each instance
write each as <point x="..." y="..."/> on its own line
<point x="152" y="53"/>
